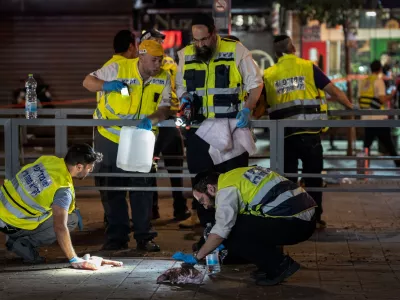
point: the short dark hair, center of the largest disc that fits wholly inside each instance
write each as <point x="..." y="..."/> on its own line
<point x="282" y="44"/>
<point x="82" y="154"/>
<point x="122" y="40"/>
<point x="376" y="66"/>
<point x="201" y="180"/>
<point x="206" y="20"/>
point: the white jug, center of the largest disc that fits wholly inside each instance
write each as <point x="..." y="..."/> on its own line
<point x="135" y="150"/>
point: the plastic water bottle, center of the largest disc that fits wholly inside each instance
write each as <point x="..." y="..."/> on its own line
<point x="30" y="98"/>
<point x="212" y="259"/>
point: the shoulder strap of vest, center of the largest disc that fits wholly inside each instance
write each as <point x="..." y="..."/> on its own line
<point x="228" y="40"/>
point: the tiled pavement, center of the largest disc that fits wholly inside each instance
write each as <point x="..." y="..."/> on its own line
<point x="356" y="257"/>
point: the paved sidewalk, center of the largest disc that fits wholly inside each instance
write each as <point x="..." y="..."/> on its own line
<point x="356" y="257"/>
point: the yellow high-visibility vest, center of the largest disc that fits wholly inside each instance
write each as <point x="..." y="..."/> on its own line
<point x="292" y="94"/>
<point x="143" y="99"/>
<point x="367" y="98"/>
<point x="169" y="65"/>
<point x="217" y="85"/>
<point x="25" y="201"/>
<point x="265" y="193"/>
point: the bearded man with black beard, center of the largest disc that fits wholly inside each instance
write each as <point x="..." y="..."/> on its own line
<point x="220" y="80"/>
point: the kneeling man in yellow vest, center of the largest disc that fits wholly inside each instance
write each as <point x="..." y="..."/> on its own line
<point x="37" y="206"/>
<point x="257" y="213"/>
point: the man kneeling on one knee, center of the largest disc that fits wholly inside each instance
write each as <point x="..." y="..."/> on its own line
<point x="37" y="206"/>
<point x="257" y="213"/>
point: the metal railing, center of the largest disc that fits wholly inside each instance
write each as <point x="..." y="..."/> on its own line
<point x="276" y="129"/>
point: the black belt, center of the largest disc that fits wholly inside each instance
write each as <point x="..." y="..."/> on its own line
<point x="9" y="229"/>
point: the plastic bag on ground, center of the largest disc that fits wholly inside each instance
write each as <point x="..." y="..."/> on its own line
<point x="186" y="274"/>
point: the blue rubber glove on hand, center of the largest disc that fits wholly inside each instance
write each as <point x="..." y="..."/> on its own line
<point x="220" y="247"/>
<point x="244" y="117"/>
<point x="186" y="258"/>
<point x="186" y="99"/>
<point x="145" y="124"/>
<point x="113" y="86"/>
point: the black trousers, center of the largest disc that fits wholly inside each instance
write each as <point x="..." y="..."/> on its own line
<point x="307" y="148"/>
<point x="170" y="142"/>
<point x="198" y="160"/>
<point x="259" y="240"/>
<point x="114" y="202"/>
<point x="383" y="134"/>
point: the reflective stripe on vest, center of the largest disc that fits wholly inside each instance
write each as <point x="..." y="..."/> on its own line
<point x="17" y="212"/>
<point x="299" y="110"/>
<point x="369" y="103"/>
<point x="218" y="83"/>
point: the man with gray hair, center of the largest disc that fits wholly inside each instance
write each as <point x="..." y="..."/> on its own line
<point x="295" y="89"/>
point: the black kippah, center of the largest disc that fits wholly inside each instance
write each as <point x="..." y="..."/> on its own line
<point x="279" y="38"/>
<point x="203" y="19"/>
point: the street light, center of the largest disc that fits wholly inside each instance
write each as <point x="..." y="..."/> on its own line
<point x="371" y="13"/>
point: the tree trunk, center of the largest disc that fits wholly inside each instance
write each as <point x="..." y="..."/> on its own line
<point x="351" y="130"/>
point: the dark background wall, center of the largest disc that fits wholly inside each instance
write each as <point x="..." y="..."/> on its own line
<point x="60" y="41"/>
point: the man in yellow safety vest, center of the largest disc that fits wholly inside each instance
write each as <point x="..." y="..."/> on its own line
<point x="214" y="75"/>
<point x="373" y="96"/>
<point x="147" y="98"/>
<point x="293" y="91"/>
<point x="37" y="206"/>
<point x="257" y="213"/>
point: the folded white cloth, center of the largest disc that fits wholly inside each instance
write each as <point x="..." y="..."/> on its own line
<point x="225" y="139"/>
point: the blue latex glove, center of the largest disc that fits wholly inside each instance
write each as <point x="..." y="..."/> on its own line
<point x="145" y="124"/>
<point x="113" y="86"/>
<point x="220" y="247"/>
<point x="80" y="219"/>
<point x="187" y="258"/>
<point x="187" y="99"/>
<point x="244" y="117"/>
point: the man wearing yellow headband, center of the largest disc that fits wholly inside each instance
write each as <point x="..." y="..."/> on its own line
<point x="149" y="100"/>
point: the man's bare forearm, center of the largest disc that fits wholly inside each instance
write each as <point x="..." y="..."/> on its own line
<point x="337" y="94"/>
<point x="159" y="115"/>
<point x="64" y="240"/>
<point x="213" y="241"/>
<point x="93" y="84"/>
<point x="253" y="97"/>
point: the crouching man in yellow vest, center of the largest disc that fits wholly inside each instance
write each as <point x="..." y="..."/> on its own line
<point x="37" y="206"/>
<point x="257" y="212"/>
<point x="149" y="100"/>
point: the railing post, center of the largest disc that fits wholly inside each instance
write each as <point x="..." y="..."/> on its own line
<point x="61" y="135"/>
<point x="11" y="148"/>
<point x="280" y="141"/>
<point x="273" y="149"/>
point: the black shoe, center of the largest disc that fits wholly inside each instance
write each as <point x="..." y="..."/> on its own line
<point x="182" y="216"/>
<point x="148" y="246"/>
<point x="155" y="214"/>
<point x="114" y="245"/>
<point x="258" y="274"/>
<point x="286" y="269"/>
